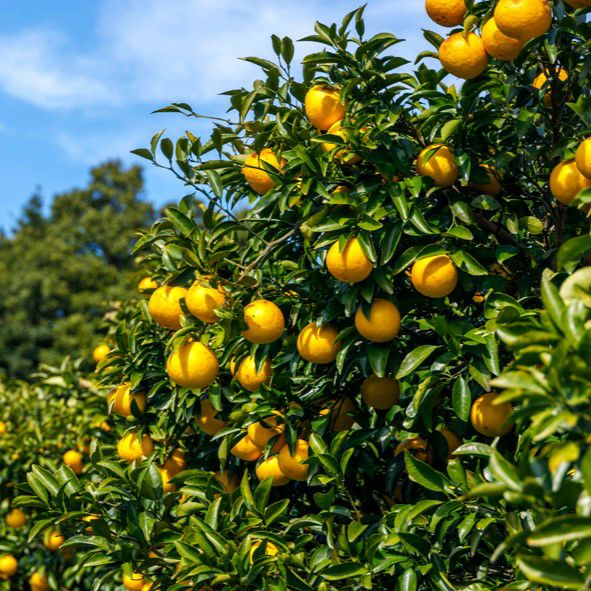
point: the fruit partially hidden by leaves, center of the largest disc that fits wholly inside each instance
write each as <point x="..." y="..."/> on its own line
<point x="344" y="155"/>
<point x="583" y="158"/>
<point x="175" y="463"/>
<point x="229" y="481"/>
<point x="202" y="301"/>
<point x="380" y="393"/>
<point x="192" y="365"/>
<point x="435" y="276"/>
<point x="417" y="446"/>
<point x="452" y="440"/>
<point x="53" y="539"/>
<point x="523" y="19"/>
<point x="269" y="468"/>
<point x="100" y="352"/>
<point x="463" y="55"/>
<point x="147" y="284"/>
<point x="351" y="264"/>
<point x="133" y="582"/>
<point x="566" y="181"/>
<point x="262" y="171"/>
<point x="207" y="420"/>
<point x="559" y="76"/>
<point x="323" y="106"/>
<point x="270" y="549"/>
<point x="249" y="377"/>
<point x="73" y="459"/>
<point x="383" y="323"/>
<point x="292" y="465"/>
<point x="493" y="186"/>
<point x="131" y="447"/>
<point x="165" y="306"/>
<point x="447" y="13"/>
<point x="438" y="162"/>
<point x="265" y="322"/>
<point x="263" y="431"/>
<point x="246" y="450"/>
<point x="318" y="344"/>
<point x="122" y="398"/>
<point x="38" y="581"/>
<point x="497" y="44"/>
<point x="490" y="419"/>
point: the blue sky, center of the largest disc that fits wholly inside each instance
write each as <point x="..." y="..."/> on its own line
<point x="78" y="80"/>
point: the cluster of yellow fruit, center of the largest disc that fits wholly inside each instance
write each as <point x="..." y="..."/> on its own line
<point x="9" y="567"/>
<point x="136" y="582"/>
<point x="572" y="175"/>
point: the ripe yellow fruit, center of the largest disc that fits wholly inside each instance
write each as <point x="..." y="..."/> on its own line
<point x="133" y="582"/>
<point x="164" y="306"/>
<point x="192" y="365"/>
<point x="88" y="519"/>
<point x="130" y="448"/>
<point x="202" y="301"/>
<point x="165" y="476"/>
<point x="122" y="398"/>
<point x="73" y="459"/>
<point x="246" y="450"/>
<point x="229" y="481"/>
<point x="497" y="44"/>
<point x="323" y="106"/>
<point x="447" y="13"/>
<point x="380" y="393"/>
<point x="100" y="352"/>
<point x="493" y="186"/>
<point x="262" y="432"/>
<point x="175" y="463"/>
<point x="344" y="155"/>
<point x="8" y="566"/>
<point x="318" y="344"/>
<point x="578" y="3"/>
<point x="417" y="446"/>
<point x="583" y="158"/>
<point x="541" y="79"/>
<point x="435" y="276"/>
<point x="3" y="428"/>
<point x="350" y="265"/>
<point x="265" y="322"/>
<point x="249" y="377"/>
<point x="16" y="518"/>
<point x="38" y="582"/>
<point x="207" y="420"/>
<point x="147" y="586"/>
<point x="53" y="539"/>
<point x="491" y="419"/>
<point x="463" y="56"/>
<point x="441" y="166"/>
<point x="453" y="441"/>
<point x="383" y="323"/>
<point x="270" y="549"/>
<point x="566" y="181"/>
<point x="291" y="465"/>
<point x="260" y="179"/>
<point x="269" y="468"/>
<point x="147" y="284"/>
<point x="523" y="19"/>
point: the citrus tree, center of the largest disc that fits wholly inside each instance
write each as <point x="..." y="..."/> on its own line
<point x="304" y="397"/>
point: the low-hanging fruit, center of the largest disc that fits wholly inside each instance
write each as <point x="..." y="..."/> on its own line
<point x="251" y="378"/>
<point x="207" y="420"/>
<point x="192" y="365"/>
<point x="349" y="264"/>
<point x="318" y="344"/>
<point x="383" y="323"/>
<point x="438" y="162"/>
<point x="435" y="276"/>
<point x="132" y="447"/>
<point x="265" y="322"/>
<point x="164" y="306"/>
<point x="203" y="300"/>
<point x="292" y="465"/>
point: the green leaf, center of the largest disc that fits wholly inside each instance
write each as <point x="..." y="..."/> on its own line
<point x="504" y="471"/>
<point x="414" y="359"/>
<point x="344" y="570"/>
<point x="550" y="572"/>
<point x="378" y="358"/>
<point x="560" y="530"/>
<point x="424" y="475"/>
<point x="552" y="303"/>
<point x="461" y="399"/>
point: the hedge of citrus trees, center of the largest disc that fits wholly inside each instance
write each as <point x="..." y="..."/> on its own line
<point x="378" y="378"/>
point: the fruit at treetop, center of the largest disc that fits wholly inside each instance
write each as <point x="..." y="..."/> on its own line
<point x="207" y="420"/>
<point x="291" y="465"/>
<point x="435" y="276"/>
<point x="383" y="323"/>
<point x="583" y="158"/>
<point x="566" y="181"/>
<point x="53" y="539"/>
<point x="8" y="566"/>
<point x="203" y="300"/>
<point x="417" y="446"/>
<point x="133" y="582"/>
<point x="497" y="44"/>
<point x="440" y="166"/>
<point x="491" y="419"/>
<point x="270" y="549"/>
<point x="318" y="344"/>
<point x="3" y="428"/>
<point x="447" y="13"/>
<point x="16" y="518"/>
<point x="340" y="414"/>
<point x="175" y="463"/>
<point x="38" y="582"/>
<point x="493" y="186"/>
<point x="249" y="377"/>
<point x="265" y="322"/>
<point x="453" y="441"/>
<point x="228" y="480"/>
<point x="257" y="175"/>
<point x="578" y="3"/>
<point x="192" y="365"/>
<point x="463" y="55"/>
<point x="165" y="307"/>
<point x="263" y="431"/>
<point x="540" y="80"/>
<point x="324" y="106"/>
<point x="523" y="19"/>
<point x="270" y="468"/>
<point x="380" y="393"/>
<point x="131" y="448"/>
<point x="246" y="450"/>
<point x="147" y="284"/>
<point x="122" y="398"/>
<point x="100" y="352"/>
<point x="165" y="476"/>
<point x="350" y="265"/>
<point x="73" y="459"/>
<point x="343" y="154"/>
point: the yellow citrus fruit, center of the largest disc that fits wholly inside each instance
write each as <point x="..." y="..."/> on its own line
<point x="380" y="393"/>
<point x="265" y="322"/>
<point x="417" y="446"/>
<point x="435" y="276"/>
<point x="270" y="549"/>
<point x="478" y="298"/>
<point x="318" y="344"/>
<point x="246" y="450"/>
<point x="447" y="13"/>
<point x="3" y="428"/>
<point x="583" y="158"/>
<point x="38" y="582"/>
<point x="175" y="463"/>
<point x="523" y="19"/>
<point x="350" y="265"/>
<point x="8" y="566"/>
<point x="249" y="377"/>
<point x="323" y="106"/>
<point x="202" y="301"/>
<point x="493" y="186"/>
<point x="147" y="586"/>
<point x="122" y="398"/>
<point x="578" y="3"/>
<point x="262" y="432"/>
<point x="73" y="459"/>
<point x="131" y="447"/>
<point x="207" y="420"/>
<point x="88" y="519"/>
<point x="566" y="181"/>
<point x="497" y="44"/>
<point x="491" y="419"/>
<point x="344" y="155"/>
<point x="100" y="352"/>
<point x="269" y="468"/>
<point x="229" y="481"/>
<point x="291" y="465"/>
<point x="541" y="79"/>
<point x="16" y="518"/>
<point x="453" y="441"/>
<point x="165" y="307"/>
<point x="53" y="539"/>
<point x="463" y="55"/>
<point x="383" y="323"/>
<point x="440" y="166"/>
<point x="256" y="173"/>
<point x="133" y="582"/>
<point x="147" y="284"/>
<point x="192" y="365"/>
<point x="165" y="476"/>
